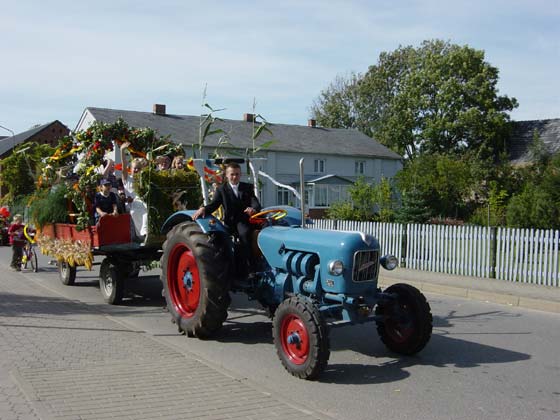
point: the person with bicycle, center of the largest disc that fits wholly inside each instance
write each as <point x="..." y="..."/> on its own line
<point x="29" y="254"/>
<point x="17" y="240"/>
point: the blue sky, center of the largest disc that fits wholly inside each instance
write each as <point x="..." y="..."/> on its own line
<point x="61" y="56"/>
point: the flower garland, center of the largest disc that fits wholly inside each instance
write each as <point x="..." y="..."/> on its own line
<point x="90" y="146"/>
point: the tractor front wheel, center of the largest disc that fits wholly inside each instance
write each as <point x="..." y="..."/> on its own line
<point x="405" y="322"/>
<point x="301" y="337"/>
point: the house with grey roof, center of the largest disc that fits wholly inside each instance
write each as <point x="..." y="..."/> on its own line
<point x="48" y="133"/>
<point x="334" y="158"/>
<point x="522" y="136"/>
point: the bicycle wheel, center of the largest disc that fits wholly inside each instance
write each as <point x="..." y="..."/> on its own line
<point x="25" y="257"/>
<point x="32" y="258"/>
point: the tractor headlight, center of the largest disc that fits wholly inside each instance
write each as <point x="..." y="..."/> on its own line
<point x="336" y="267"/>
<point x="389" y="262"/>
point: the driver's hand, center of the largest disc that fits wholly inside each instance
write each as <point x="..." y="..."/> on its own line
<point x="249" y="211"/>
<point x="198" y="213"/>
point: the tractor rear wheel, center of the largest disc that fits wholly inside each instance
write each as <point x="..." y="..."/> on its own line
<point x="194" y="280"/>
<point x="301" y="337"/>
<point x="405" y="323"/>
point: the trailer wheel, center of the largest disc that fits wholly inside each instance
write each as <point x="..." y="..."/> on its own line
<point x="405" y="323"/>
<point x="66" y="273"/>
<point x="301" y="337"/>
<point x="194" y="280"/>
<point x="111" y="282"/>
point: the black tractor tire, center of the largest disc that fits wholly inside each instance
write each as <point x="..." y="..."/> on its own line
<point x="66" y="273"/>
<point x="405" y="323"/>
<point x="111" y="281"/>
<point x="194" y="277"/>
<point x="301" y="337"/>
<point x="129" y="270"/>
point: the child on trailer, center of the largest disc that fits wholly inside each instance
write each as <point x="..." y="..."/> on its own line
<point x="105" y="201"/>
<point x="17" y="240"/>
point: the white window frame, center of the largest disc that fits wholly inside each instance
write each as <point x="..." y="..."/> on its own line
<point x="360" y="167"/>
<point x="319" y="166"/>
<point x="283" y="196"/>
<point x="313" y="191"/>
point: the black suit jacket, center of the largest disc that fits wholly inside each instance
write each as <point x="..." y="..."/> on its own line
<point x="233" y="206"/>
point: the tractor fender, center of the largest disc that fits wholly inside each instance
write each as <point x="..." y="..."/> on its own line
<point x="207" y="224"/>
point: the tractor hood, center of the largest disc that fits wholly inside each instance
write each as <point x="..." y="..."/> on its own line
<point x="277" y="241"/>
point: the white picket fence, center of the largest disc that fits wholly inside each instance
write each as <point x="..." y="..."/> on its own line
<point x="389" y="235"/>
<point x="528" y="256"/>
<point x="519" y="255"/>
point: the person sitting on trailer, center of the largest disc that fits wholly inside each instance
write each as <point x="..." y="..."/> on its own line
<point x="136" y="207"/>
<point x="105" y="201"/>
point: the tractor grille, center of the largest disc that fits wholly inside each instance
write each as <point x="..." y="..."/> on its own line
<point x="366" y="264"/>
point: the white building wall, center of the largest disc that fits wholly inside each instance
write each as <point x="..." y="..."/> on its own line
<point x="284" y="166"/>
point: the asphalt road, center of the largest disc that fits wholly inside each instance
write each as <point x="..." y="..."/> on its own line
<point x="484" y="361"/>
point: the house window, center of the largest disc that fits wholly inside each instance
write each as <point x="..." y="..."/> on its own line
<point x="359" y="167"/>
<point x="321" y="195"/>
<point x="283" y="197"/>
<point x="325" y="195"/>
<point x="319" y="166"/>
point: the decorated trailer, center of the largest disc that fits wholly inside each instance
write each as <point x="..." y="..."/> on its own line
<point x="111" y="239"/>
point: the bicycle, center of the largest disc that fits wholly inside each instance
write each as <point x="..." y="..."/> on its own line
<point x="29" y="253"/>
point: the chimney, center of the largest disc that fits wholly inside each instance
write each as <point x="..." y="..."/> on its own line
<point x="159" y="109"/>
<point x="312" y="123"/>
<point x="248" y="117"/>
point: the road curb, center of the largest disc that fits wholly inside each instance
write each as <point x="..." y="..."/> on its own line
<point x="479" y="295"/>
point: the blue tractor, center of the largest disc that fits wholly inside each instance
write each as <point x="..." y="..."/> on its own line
<point x="310" y="280"/>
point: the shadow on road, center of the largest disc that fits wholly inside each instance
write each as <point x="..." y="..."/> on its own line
<point x="246" y="326"/>
<point x="441" y="351"/>
<point x="361" y="374"/>
<point x="31" y="306"/>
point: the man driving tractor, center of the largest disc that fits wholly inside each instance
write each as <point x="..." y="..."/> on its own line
<point x="240" y="203"/>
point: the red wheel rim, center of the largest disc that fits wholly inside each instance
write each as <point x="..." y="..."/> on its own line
<point x="183" y="280"/>
<point x="398" y="330"/>
<point x="295" y="339"/>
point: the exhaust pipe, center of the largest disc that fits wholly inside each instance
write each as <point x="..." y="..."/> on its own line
<point x="302" y="191"/>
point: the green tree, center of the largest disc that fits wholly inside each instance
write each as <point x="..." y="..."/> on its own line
<point x="20" y="169"/>
<point x="438" y="98"/>
<point x="530" y="209"/>
<point x="492" y="211"/>
<point x="538" y="153"/>
<point x="413" y="209"/>
<point x="538" y="203"/>
<point x="336" y="106"/>
<point x="384" y="201"/>
<point x="441" y="180"/>
<point x="367" y="203"/>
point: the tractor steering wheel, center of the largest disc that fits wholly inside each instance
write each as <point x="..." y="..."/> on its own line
<point x="273" y="215"/>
